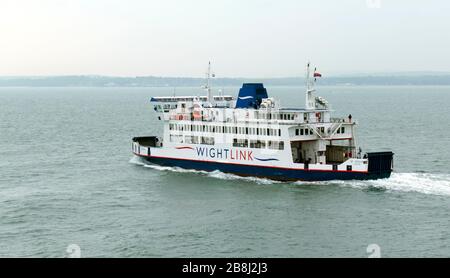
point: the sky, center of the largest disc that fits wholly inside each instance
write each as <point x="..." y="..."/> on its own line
<point x="242" y="38"/>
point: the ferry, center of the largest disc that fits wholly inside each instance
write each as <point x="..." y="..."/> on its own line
<point x="252" y="135"/>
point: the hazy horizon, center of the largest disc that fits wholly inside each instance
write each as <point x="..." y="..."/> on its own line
<point x="334" y="75"/>
<point x="243" y="39"/>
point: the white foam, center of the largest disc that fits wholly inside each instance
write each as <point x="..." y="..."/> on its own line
<point x="137" y="160"/>
<point x="435" y="184"/>
<point x="226" y="176"/>
<point x="216" y="174"/>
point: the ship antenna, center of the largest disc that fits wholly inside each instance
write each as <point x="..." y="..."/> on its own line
<point x="309" y="103"/>
<point x="307" y="76"/>
<point x="208" y="84"/>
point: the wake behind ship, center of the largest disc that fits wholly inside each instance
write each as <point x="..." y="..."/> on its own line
<point x="254" y="136"/>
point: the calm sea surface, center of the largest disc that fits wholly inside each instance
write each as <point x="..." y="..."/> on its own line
<point x="67" y="176"/>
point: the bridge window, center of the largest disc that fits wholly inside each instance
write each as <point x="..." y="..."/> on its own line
<point x="342" y="129"/>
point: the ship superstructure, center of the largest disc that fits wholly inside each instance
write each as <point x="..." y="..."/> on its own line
<point x="252" y="135"/>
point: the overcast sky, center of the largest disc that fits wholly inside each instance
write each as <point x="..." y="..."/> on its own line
<point x="243" y="38"/>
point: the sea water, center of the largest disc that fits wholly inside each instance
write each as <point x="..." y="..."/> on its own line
<point x="68" y="178"/>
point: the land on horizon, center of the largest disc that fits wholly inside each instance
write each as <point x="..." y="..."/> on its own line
<point x="380" y="79"/>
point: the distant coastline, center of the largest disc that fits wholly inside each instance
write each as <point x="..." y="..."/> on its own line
<point x="152" y="81"/>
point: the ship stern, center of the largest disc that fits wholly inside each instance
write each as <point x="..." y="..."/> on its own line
<point x="381" y="165"/>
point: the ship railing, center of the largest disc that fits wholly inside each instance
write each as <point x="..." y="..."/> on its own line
<point x="337" y="120"/>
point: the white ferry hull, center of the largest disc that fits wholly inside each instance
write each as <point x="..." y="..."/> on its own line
<point x="273" y="170"/>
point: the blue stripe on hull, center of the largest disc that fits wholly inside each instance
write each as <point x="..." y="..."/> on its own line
<point x="263" y="172"/>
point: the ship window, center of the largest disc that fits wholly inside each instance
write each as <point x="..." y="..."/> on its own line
<point x="275" y="145"/>
<point x="279" y="132"/>
<point x="246" y="130"/>
<point x="306" y="131"/>
<point x="297" y="132"/>
<point x="176" y="138"/>
<point x="343" y="130"/>
<point x="240" y="143"/>
<point x="257" y="144"/>
<point x="191" y="140"/>
<point x="302" y="132"/>
<point x="208" y="140"/>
